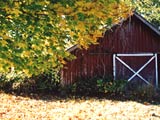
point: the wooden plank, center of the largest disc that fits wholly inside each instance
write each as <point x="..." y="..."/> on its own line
<point x="135" y="54"/>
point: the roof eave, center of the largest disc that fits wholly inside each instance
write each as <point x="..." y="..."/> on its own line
<point x="147" y="23"/>
<point x="72" y="48"/>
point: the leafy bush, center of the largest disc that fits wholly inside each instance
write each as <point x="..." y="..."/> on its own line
<point x="85" y="86"/>
<point x="48" y="81"/>
<point x="11" y="80"/>
<point x="110" y="86"/>
<point x="96" y="86"/>
<point x="145" y="92"/>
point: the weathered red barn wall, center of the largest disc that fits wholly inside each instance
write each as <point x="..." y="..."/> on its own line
<point x="132" y="36"/>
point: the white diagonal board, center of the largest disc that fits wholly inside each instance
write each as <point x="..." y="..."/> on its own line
<point x="153" y="57"/>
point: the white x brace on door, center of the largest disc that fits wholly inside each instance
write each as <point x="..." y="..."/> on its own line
<point x="116" y="57"/>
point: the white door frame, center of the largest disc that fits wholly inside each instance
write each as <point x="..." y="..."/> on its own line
<point x="136" y="73"/>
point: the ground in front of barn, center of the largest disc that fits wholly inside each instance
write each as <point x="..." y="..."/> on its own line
<point x="16" y="107"/>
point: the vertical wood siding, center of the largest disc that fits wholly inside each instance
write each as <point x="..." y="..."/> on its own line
<point x="132" y="36"/>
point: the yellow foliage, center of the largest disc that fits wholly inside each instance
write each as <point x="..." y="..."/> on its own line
<point x="44" y="30"/>
<point x="26" y="71"/>
<point x="115" y="11"/>
<point x="34" y="47"/>
<point x="25" y="54"/>
<point x="81" y="26"/>
<point x="68" y="11"/>
<point x="46" y="43"/>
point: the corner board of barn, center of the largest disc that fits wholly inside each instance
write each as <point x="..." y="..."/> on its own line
<point x="129" y="51"/>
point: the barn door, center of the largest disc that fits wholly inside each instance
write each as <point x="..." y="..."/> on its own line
<point x="136" y="67"/>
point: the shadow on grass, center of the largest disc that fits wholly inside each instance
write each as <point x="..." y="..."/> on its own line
<point x="56" y="95"/>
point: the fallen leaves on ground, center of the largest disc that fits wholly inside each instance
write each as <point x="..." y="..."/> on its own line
<point x="14" y="107"/>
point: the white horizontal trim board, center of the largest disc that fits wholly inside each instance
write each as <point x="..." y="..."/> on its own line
<point x="116" y="57"/>
<point x="136" y="54"/>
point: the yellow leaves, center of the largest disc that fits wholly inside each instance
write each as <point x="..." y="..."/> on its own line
<point x="71" y="33"/>
<point x="62" y="61"/>
<point x="119" y="11"/>
<point x="45" y="2"/>
<point x="9" y="17"/>
<point x="59" y="8"/>
<point x="62" y="23"/>
<point x="25" y="54"/>
<point x="68" y="11"/>
<point x="34" y="46"/>
<point x="86" y="16"/>
<point x="58" y="48"/>
<point x="98" y="33"/>
<point x="80" y="3"/>
<point x="1" y="66"/>
<point x="16" y="12"/>
<point x="115" y="6"/>
<point x="3" y="42"/>
<point x="50" y="51"/>
<point x="30" y="27"/>
<point x="81" y="26"/>
<point x="4" y="34"/>
<point x="21" y="45"/>
<point x="42" y="13"/>
<point x="26" y="72"/>
<point x="46" y="43"/>
<point x="83" y="43"/>
<point x="47" y="34"/>
<point x="86" y="6"/>
<point x="99" y="15"/>
<point x="7" y="9"/>
<point x="3" y="37"/>
<point x="13" y="11"/>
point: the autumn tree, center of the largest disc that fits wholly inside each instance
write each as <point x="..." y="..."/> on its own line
<point x="36" y="33"/>
<point x="150" y="9"/>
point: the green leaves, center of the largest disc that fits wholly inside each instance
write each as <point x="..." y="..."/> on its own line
<point x="150" y="9"/>
<point x="35" y="34"/>
<point x="81" y="16"/>
<point x="95" y="86"/>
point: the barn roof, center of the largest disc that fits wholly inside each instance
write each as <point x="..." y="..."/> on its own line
<point x="147" y="23"/>
<point x="72" y="48"/>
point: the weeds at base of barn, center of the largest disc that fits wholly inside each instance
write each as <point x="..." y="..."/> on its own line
<point x="140" y="97"/>
<point x="147" y="94"/>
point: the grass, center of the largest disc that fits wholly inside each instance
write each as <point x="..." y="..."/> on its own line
<point x="50" y="107"/>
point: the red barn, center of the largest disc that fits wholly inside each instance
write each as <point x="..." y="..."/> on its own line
<point x="128" y="51"/>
